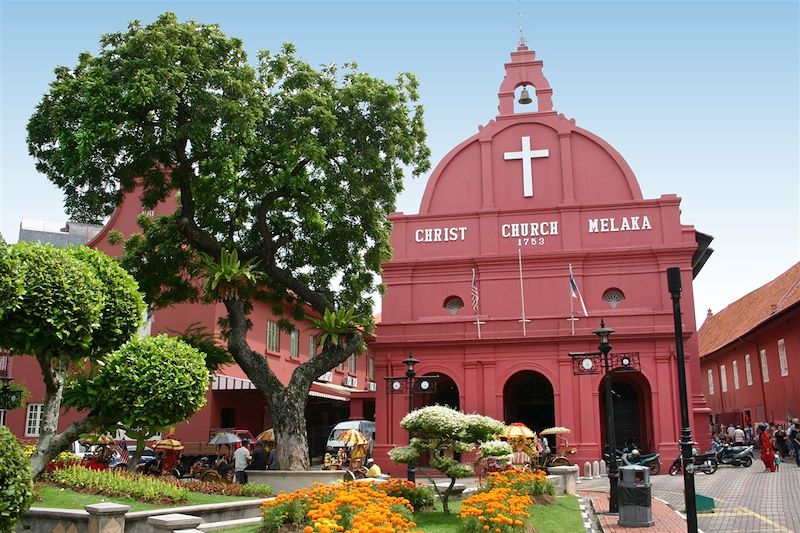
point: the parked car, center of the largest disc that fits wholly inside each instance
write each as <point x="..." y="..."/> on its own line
<point x="367" y="427"/>
<point x="147" y="455"/>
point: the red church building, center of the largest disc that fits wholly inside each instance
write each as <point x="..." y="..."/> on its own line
<point x="503" y="216"/>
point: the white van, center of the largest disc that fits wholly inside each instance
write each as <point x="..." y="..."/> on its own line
<point x="367" y="427"/>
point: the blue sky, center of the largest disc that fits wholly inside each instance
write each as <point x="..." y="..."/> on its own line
<point x="701" y="98"/>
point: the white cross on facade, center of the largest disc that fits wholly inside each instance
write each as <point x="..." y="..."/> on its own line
<point x="527" y="155"/>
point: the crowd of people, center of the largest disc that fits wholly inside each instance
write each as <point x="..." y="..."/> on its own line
<point x="778" y="443"/>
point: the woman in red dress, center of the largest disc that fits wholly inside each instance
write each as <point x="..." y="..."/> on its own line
<point x="767" y="450"/>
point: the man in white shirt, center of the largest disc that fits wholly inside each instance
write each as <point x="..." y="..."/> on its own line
<point x="738" y="436"/>
<point x="241" y="458"/>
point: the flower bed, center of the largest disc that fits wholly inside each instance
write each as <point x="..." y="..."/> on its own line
<point x="353" y="507"/>
<point x="530" y="483"/>
<point x="498" y="510"/>
<point x="111" y="483"/>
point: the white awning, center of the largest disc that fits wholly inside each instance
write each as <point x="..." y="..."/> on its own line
<point x="330" y="391"/>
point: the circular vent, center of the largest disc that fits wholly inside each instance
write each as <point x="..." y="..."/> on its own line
<point x="613" y="297"/>
<point x="453" y="304"/>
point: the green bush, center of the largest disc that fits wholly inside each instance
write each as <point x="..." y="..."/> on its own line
<point x="113" y="483"/>
<point x="419" y="497"/>
<point x="16" y="484"/>
<point x="287" y="513"/>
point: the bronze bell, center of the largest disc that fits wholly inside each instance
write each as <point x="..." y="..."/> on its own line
<point x="524" y="96"/>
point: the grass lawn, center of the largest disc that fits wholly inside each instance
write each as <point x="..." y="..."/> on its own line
<point x="51" y="496"/>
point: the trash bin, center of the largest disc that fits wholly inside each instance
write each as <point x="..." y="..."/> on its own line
<point x="635" y="497"/>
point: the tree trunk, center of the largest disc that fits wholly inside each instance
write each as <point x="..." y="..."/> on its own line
<point x="50" y="442"/>
<point x="288" y="408"/>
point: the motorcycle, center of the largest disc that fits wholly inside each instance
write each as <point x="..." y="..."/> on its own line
<point x="704" y="462"/>
<point x="733" y="455"/>
<point x="650" y="460"/>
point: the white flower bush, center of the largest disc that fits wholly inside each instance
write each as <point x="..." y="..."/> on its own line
<point x="494" y="448"/>
<point x="444" y="432"/>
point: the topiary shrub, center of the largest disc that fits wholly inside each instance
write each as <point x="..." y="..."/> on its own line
<point x="16" y="484"/>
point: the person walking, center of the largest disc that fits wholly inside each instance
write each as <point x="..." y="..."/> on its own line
<point x="738" y="436"/>
<point x="794" y="440"/>
<point x="241" y="458"/>
<point x="258" y="459"/>
<point x="767" y="450"/>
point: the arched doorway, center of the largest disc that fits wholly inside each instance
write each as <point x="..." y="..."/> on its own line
<point x="528" y="398"/>
<point x="632" y="407"/>
<point x="446" y="393"/>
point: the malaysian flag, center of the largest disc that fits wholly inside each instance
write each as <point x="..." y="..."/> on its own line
<point x="122" y="450"/>
<point x="575" y="292"/>
<point x="474" y="292"/>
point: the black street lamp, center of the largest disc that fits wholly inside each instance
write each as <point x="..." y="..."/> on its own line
<point x="9" y="398"/>
<point x="411" y="385"/>
<point x="674" y="285"/>
<point x="613" y="470"/>
<point x="587" y="363"/>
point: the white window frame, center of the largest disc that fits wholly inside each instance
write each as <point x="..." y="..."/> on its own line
<point x="312" y="346"/>
<point x="371" y="368"/>
<point x="723" y="378"/>
<point x="351" y="364"/>
<point x="735" y="371"/>
<point x="710" y="382"/>
<point x="33" y="419"/>
<point x="762" y="355"/>
<point x="273" y="337"/>
<point x="782" y="358"/>
<point x="294" y="345"/>
<point x="748" y="370"/>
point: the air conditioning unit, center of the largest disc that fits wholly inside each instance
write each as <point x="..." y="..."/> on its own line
<point x="350" y="381"/>
<point x="327" y="377"/>
<point x="372" y="386"/>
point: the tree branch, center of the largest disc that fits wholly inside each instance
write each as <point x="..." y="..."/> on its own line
<point x="253" y="363"/>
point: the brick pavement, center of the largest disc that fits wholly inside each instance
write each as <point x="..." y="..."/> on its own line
<point x="747" y="499"/>
<point x="665" y="518"/>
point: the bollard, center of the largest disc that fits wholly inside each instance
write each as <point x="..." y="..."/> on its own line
<point x="587" y="470"/>
<point x="602" y="468"/>
<point x="105" y="516"/>
<point x="595" y="469"/>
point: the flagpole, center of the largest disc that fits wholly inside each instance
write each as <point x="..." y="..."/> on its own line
<point x="571" y="318"/>
<point x="475" y="303"/>
<point x="522" y="294"/>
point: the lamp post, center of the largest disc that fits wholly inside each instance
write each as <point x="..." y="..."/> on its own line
<point x="411" y="385"/>
<point x="674" y="285"/>
<point x="9" y="398"/>
<point x="589" y="363"/>
<point x="613" y="471"/>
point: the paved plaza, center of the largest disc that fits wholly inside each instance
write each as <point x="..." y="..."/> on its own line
<point x="747" y="499"/>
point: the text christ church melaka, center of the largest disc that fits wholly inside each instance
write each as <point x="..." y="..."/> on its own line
<point x="508" y="210"/>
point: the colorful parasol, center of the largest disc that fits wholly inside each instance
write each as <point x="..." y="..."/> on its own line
<point x="558" y="430"/>
<point x="224" y="438"/>
<point x="267" y="436"/>
<point x="518" y="430"/>
<point x="168" y="444"/>
<point x="352" y="437"/>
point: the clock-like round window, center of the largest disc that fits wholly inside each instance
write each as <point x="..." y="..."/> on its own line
<point x="613" y="296"/>
<point x="453" y="304"/>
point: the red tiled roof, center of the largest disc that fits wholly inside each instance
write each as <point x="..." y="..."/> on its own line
<point x="748" y="312"/>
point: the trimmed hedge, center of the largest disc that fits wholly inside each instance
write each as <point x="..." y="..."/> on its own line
<point x="16" y="484"/>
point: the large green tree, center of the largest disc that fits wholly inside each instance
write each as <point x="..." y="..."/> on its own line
<point x="68" y="307"/>
<point x="146" y="386"/>
<point x="285" y="176"/>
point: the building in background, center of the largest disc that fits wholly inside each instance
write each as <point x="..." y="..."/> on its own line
<point x="57" y="233"/>
<point x="232" y="400"/>
<point x="750" y="355"/>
